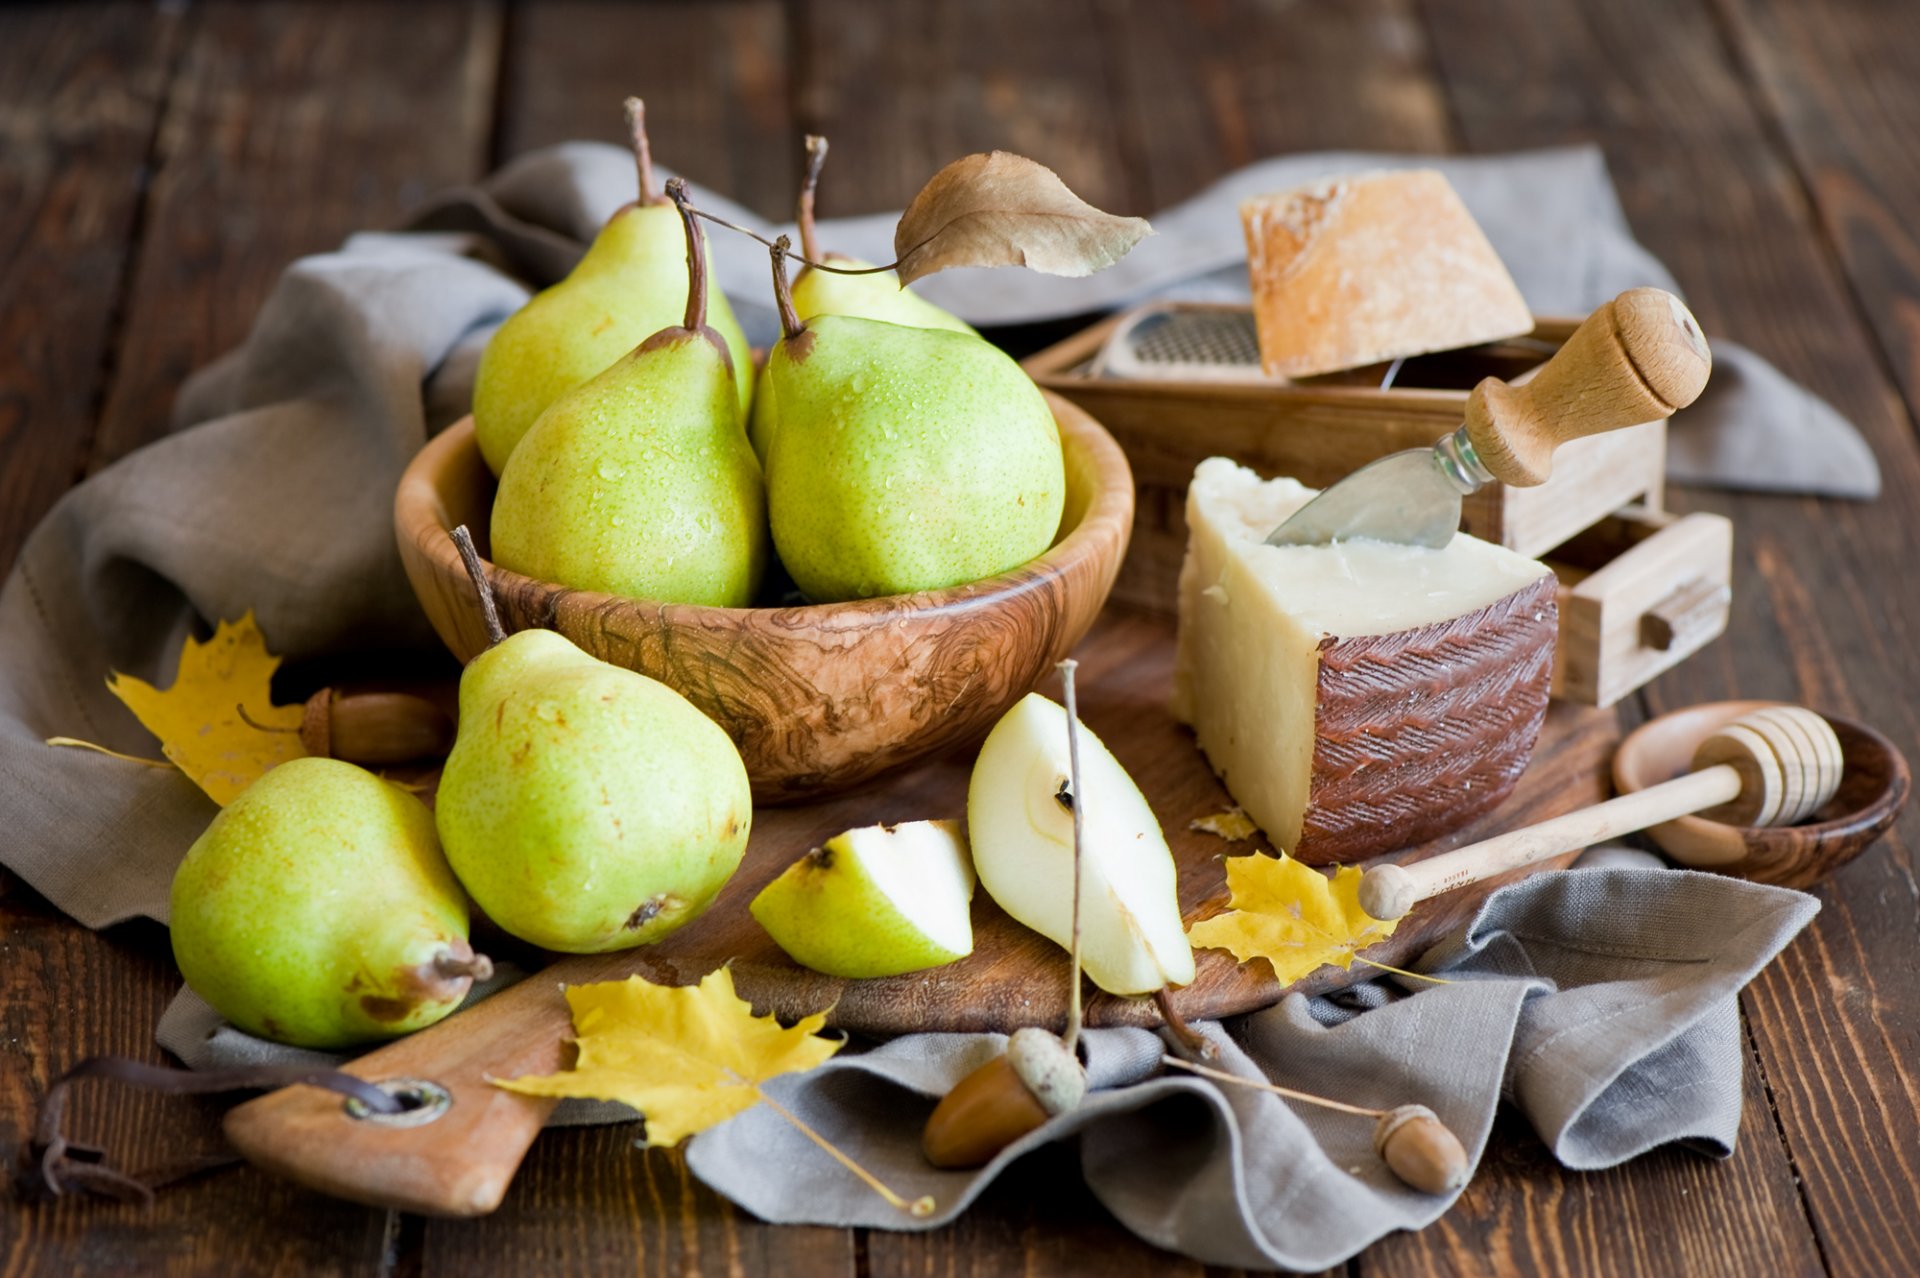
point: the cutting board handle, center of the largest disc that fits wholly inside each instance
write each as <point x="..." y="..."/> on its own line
<point x="451" y="1158"/>
<point x="1639" y="358"/>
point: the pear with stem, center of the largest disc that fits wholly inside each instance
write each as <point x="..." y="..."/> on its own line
<point x="641" y="482"/>
<point x="877" y="296"/>
<point x="906" y="459"/>
<point x="631" y="283"/>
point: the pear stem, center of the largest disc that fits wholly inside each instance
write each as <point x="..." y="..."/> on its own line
<point x="476" y="571"/>
<point x="1184" y="1034"/>
<point x="922" y="1206"/>
<point x="783" y="291"/>
<point x="803" y="217"/>
<point x="696" y="258"/>
<point x="642" y="152"/>
<point x="449" y="964"/>
<point x="1222" y="1076"/>
<point x="1072" y="1037"/>
<point x="717" y="220"/>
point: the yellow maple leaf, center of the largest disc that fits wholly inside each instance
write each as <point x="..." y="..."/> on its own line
<point x="1291" y="915"/>
<point x="199" y="719"/>
<point x="687" y="1057"/>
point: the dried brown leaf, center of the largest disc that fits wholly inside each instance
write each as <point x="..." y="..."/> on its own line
<point x="1000" y="209"/>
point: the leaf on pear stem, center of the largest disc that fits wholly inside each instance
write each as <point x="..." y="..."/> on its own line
<point x="1000" y="209"/>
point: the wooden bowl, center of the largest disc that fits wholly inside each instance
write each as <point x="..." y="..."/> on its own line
<point x="818" y="697"/>
<point x="1873" y="789"/>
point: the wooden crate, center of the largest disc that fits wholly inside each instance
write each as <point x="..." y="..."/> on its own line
<point x="1321" y="431"/>
<point x="1640" y="590"/>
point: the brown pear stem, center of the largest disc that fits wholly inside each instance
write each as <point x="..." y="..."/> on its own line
<point x="642" y="152"/>
<point x="696" y="257"/>
<point x="455" y="966"/>
<point x="816" y="156"/>
<point x="1184" y="1034"/>
<point x="1072" y="1037"/>
<point x="783" y="291"/>
<point x="477" y="573"/>
<point x="717" y="220"/>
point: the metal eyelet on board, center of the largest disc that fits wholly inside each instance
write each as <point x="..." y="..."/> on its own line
<point x="424" y="1099"/>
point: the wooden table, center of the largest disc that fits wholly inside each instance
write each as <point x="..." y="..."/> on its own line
<point x="161" y="164"/>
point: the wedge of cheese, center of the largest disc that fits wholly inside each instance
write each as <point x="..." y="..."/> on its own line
<point x="1361" y="697"/>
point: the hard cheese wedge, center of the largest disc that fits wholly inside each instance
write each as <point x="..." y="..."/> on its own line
<point x="1362" y="697"/>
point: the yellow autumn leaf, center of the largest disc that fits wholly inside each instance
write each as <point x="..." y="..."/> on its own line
<point x="199" y="719"/>
<point x="687" y="1057"/>
<point x="1291" y="915"/>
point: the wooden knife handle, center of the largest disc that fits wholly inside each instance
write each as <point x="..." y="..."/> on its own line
<point x="461" y="1162"/>
<point x="1637" y="359"/>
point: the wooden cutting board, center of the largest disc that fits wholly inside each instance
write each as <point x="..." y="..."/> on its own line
<point x="461" y="1162"/>
<point x="1016" y="977"/>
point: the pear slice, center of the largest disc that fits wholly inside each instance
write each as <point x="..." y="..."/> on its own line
<point x="1132" y="940"/>
<point x="877" y="901"/>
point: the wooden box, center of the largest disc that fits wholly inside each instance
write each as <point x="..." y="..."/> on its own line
<point x="1640" y="590"/>
<point x="1325" y="429"/>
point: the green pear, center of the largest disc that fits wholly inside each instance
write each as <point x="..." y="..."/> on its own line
<point x="1020" y="820"/>
<point x="907" y="459"/>
<point x="879" y="296"/>
<point x="631" y="283"/>
<point x="877" y="901"/>
<point x="641" y="482"/>
<point x="586" y="807"/>
<point x="317" y="910"/>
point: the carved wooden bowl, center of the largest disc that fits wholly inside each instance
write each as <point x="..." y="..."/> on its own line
<point x="818" y="697"/>
<point x="1873" y="788"/>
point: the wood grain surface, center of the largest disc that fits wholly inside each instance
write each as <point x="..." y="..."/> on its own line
<point x="1763" y="149"/>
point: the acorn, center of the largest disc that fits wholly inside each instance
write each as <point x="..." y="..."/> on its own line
<point x="1035" y="1079"/>
<point x="374" y="729"/>
<point x="1418" y="1148"/>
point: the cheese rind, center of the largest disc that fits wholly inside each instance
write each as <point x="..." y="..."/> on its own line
<point x="1362" y="697"/>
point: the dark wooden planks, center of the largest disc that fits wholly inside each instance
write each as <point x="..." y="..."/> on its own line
<point x="592" y="1202"/>
<point x="1211" y="85"/>
<point x="714" y="78"/>
<point x="1842" y="82"/>
<point x="1669" y="1212"/>
<point x="67" y="993"/>
<point x="290" y="127"/>
<point x="81" y="93"/>
<point x="901" y="89"/>
<point x="1823" y="609"/>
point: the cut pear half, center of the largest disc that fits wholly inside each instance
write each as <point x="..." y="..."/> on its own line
<point x="1020" y="821"/>
<point x="878" y="901"/>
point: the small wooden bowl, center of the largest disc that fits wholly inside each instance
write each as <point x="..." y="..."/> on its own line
<point x="818" y="697"/>
<point x="1873" y="789"/>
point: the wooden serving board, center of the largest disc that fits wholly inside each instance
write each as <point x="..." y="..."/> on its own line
<point x="461" y="1163"/>
<point x="1016" y="977"/>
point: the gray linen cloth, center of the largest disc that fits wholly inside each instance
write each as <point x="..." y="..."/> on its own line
<point x="278" y="500"/>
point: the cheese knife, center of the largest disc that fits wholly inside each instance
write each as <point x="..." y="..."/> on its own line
<point x="1639" y="358"/>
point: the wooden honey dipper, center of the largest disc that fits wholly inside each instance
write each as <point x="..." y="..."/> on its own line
<point x="1775" y="766"/>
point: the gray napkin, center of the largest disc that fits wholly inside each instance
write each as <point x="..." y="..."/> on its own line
<point x="279" y="500"/>
<point x="1594" y="999"/>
